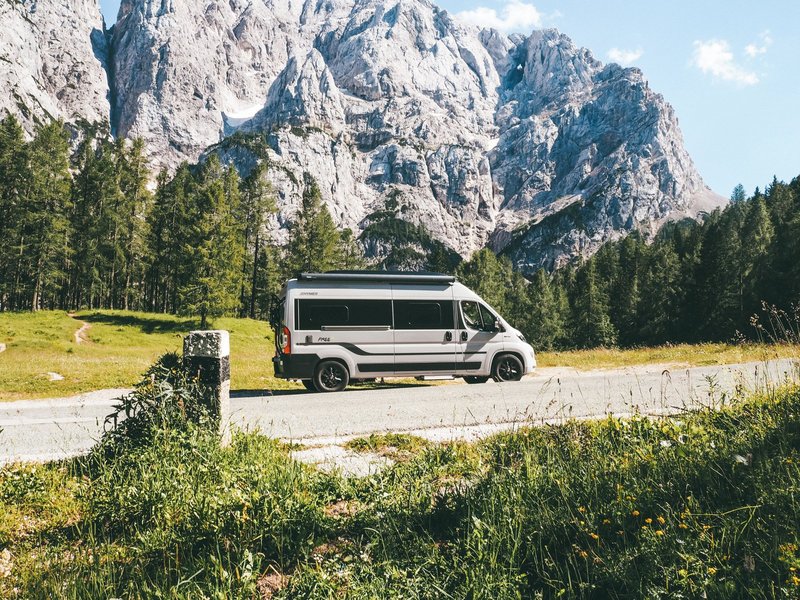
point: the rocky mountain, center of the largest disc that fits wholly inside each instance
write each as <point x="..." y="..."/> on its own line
<point x="53" y="61"/>
<point x="417" y="127"/>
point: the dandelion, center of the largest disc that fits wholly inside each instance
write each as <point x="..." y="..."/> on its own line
<point x="795" y="580"/>
<point x="661" y="520"/>
<point x="683" y="526"/>
<point x="648" y="520"/>
<point x="659" y="532"/>
<point x="712" y="571"/>
<point x="635" y="513"/>
<point x="582" y="509"/>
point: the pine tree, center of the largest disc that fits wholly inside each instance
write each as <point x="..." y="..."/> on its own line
<point x="545" y="326"/>
<point x="591" y="324"/>
<point x="738" y="194"/>
<point x="314" y="238"/>
<point x="44" y="218"/>
<point x="214" y="250"/>
<point x="349" y="252"/>
<point x="258" y="201"/>
<point x="13" y="175"/>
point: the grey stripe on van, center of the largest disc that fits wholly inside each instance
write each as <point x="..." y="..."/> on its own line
<point x="359" y="352"/>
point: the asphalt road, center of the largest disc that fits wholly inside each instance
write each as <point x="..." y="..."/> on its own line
<point x="40" y="430"/>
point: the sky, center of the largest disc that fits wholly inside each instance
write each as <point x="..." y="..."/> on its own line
<point x="730" y="69"/>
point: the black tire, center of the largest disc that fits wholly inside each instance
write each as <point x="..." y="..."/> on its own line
<point x="309" y="385"/>
<point x="507" y="367"/>
<point x="331" y="376"/>
<point x="475" y="379"/>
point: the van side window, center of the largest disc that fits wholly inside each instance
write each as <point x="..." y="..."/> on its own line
<point x="472" y="315"/>
<point x="489" y="319"/>
<point x="316" y="314"/>
<point x="422" y="314"/>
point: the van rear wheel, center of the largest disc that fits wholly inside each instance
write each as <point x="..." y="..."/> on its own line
<point x="475" y="379"/>
<point x="507" y="367"/>
<point x="331" y="376"/>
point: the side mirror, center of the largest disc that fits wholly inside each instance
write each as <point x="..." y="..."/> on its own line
<point x="498" y="326"/>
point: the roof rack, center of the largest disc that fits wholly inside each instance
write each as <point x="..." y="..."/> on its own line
<point x="379" y="276"/>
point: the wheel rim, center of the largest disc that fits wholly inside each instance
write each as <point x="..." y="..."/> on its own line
<point x="508" y="370"/>
<point x="331" y="377"/>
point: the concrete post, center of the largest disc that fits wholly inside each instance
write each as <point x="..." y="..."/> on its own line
<point x="206" y="354"/>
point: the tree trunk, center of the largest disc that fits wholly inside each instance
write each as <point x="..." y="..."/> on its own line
<point x="254" y="279"/>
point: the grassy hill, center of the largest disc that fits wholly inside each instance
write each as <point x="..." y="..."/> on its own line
<point x="115" y="349"/>
<point x="44" y="359"/>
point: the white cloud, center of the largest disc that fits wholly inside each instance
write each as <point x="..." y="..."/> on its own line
<point x="714" y="57"/>
<point x="755" y="49"/>
<point x="514" y="16"/>
<point x="625" y="57"/>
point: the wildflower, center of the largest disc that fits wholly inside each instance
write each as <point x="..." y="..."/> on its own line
<point x="594" y="536"/>
<point x="606" y="521"/>
<point x="582" y="509"/>
<point x="659" y="532"/>
<point x="583" y="554"/>
<point x="795" y="580"/>
<point x="5" y="563"/>
<point x="661" y="520"/>
<point x="648" y="520"/>
<point x="712" y="571"/>
<point x="635" y="513"/>
<point x="620" y="532"/>
<point x="683" y="526"/>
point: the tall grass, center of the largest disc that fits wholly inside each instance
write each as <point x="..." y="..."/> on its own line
<point x="706" y="505"/>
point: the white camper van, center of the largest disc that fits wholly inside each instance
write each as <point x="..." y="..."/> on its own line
<point x="332" y="328"/>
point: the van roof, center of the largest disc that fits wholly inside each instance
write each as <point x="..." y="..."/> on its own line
<point x="379" y="276"/>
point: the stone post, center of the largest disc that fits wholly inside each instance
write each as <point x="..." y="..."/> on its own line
<point x="206" y="354"/>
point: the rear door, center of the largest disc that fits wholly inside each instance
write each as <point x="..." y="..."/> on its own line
<point x="424" y="329"/>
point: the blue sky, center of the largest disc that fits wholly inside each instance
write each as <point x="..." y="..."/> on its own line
<point x="730" y="68"/>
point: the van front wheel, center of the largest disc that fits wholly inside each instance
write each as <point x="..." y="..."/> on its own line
<point x="331" y="376"/>
<point x="507" y="367"/>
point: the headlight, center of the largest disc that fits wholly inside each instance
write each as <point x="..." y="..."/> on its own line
<point x="522" y="337"/>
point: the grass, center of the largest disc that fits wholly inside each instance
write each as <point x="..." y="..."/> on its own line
<point x="119" y="347"/>
<point x="678" y="354"/>
<point x="705" y="505"/>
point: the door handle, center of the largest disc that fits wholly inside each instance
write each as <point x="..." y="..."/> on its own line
<point x="448" y="336"/>
<point x="464" y="336"/>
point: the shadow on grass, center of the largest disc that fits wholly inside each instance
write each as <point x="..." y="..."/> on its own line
<point x="144" y="324"/>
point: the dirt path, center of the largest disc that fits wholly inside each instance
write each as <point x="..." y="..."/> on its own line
<point x="80" y="334"/>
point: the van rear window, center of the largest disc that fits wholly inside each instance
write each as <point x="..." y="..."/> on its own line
<point x="316" y="314"/>
<point x="420" y="314"/>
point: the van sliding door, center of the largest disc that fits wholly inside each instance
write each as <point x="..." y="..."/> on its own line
<point x="424" y="329"/>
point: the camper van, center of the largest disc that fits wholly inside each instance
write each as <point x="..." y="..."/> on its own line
<point x="336" y="327"/>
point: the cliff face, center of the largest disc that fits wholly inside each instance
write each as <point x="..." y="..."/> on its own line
<point x="403" y="115"/>
<point x="53" y="59"/>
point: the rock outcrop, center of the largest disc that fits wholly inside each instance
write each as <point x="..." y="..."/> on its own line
<point x="403" y="115"/>
<point x="53" y="61"/>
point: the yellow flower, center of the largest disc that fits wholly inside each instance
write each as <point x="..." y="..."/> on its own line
<point x="659" y="532"/>
<point x="635" y="513"/>
<point x="584" y="554"/>
<point x="712" y="571"/>
<point x="606" y="521"/>
<point x="795" y="580"/>
<point x="582" y="509"/>
<point x="594" y="536"/>
<point x="683" y="526"/>
<point x="648" y="520"/>
<point x="661" y="520"/>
